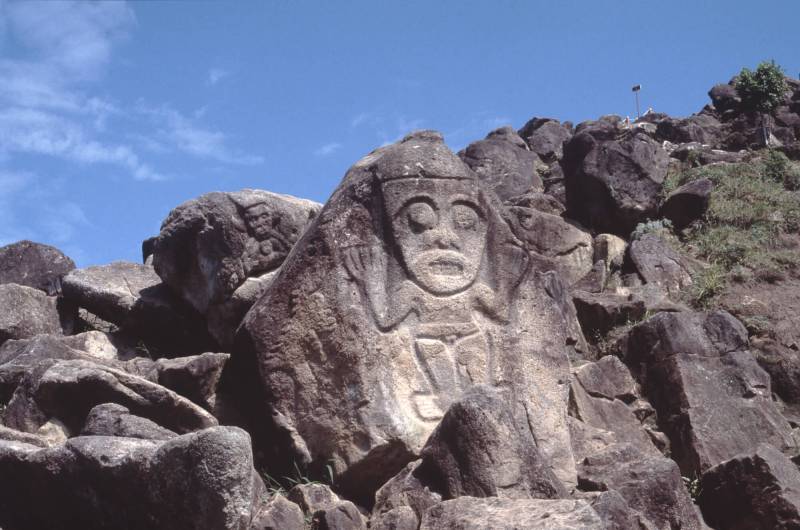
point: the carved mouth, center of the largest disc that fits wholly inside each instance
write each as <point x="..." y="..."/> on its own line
<point x="446" y="267"/>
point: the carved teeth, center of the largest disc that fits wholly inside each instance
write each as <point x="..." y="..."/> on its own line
<point x="446" y="267"/>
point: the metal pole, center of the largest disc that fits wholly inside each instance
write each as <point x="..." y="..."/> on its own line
<point x="637" y="105"/>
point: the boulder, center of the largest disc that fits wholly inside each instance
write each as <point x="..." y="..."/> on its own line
<point x="702" y="128"/>
<point x="195" y="377"/>
<point x="26" y="312"/>
<point x="598" y="313"/>
<point x="538" y="201"/>
<point x="110" y="419"/>
<point x="484" y="447"/>
<point x="200" y="480"/>
<point x="68" y="390"/>
<point x="650" y="484"/>
<point x="12" y="435"/>
<point x="687" y="203"/>
<point x="617" y="514"/>
<point x="551" y="236"/>
<point x="342" y="516"/>
<point x="404" y="499"/>
<point x="209" y="246"/>
<point x="224" y="317"/>
<point x="758" y="490"/>
<point x="279" y="514"/>
<point x="713" y="400"/>
<point x="467" y="513"/>
<point x="504" y="164"/>
<point x="724" y="97"/>
<point x="658" y="264"/>
<point x="313" y="497"/>
<point x="34" y="265"/>
<point x="546" y="137"/>
<point x="407" y="289"/>
<point x="612" y="185"/>
<point x="133" y="297"/>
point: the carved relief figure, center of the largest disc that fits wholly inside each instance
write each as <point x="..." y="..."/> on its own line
<point x="440" y="229"/>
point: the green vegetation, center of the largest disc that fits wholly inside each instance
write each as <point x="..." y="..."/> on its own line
<point x="744" y="233"/>
<point x="763" y="89"/>
<point x="692" y="486"/>
<point x="659" y="227"/>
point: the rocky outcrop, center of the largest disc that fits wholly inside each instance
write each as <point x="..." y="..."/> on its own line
<point x="613" y="183"/>
<point x="687" y="203"/>
<point x="208" y="247"/>
<point x="34" y="265"/>
<point x="503" y="162"/>
<point x="546" y="137"/>
<point x="26" y="312"/>
<point x="133" y="297"/>
<point x="110" y="419"/>
<point x="200" y="480"/>
<point x="509" y="514"/>
<point x="407" y="289"/>
<point x="712" y="398"/>
<point x="758" y="490"/>
<point x="658" y="264"/>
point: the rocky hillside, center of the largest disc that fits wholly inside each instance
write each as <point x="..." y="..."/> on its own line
<point x="561" y="327"/>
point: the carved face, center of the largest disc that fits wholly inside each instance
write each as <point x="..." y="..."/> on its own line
<point x="260" y="220"/>
<point x="440" y="227"/>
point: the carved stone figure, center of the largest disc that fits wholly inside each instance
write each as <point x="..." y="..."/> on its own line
<point x="408" y="288"/>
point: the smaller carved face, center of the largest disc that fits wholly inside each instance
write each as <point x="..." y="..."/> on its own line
<point x="261" y="221"/>
<point x="442" y="237"/>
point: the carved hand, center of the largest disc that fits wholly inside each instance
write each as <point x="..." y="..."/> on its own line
<point x="365" y="263"/>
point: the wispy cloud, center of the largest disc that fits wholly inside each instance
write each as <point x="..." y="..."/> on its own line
<point x="215" y="75"/>
<point x="328" y="149"/>
<point x="360" y="119"/>
<point x="187" y="135"/>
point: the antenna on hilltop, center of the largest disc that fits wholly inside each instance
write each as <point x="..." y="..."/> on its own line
<point x="635" y="90"/>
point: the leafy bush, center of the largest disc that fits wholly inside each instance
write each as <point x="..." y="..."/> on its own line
<point x="659" y="227"/>
<point x="707" y="284"/>
<point x="776" y="165"/>
<point x="763" y="89"/>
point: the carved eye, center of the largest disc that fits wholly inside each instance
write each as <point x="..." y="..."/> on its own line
<point x="464" y="217"/>
<point x="421" y="217"/>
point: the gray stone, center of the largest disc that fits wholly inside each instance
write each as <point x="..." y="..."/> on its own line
<point x="403" y="500"/>
<point x="712" y="398"/>
<point x="407" y="289"/>
<point x="598" y="313"/>
<point x="26" y="312"/>
<point x="546" y="137"/>
<point x="195" y="377"/>
<point x="13" y="435"/>
<point x="342" y="516"/>
<point x="702" y="128"/>
<point x="34" y="265"/>
<point x="110" y="419"/>
<point x="612" y="185"/>
<point x="279" y="514"/>
<point x="724" y="97"/>
<point x="650" y="484"/>
<point x="551" y="236"/>
<point x="538" y="201"/>
<point x="133" y="297"/>
<point x="617" y="514"/>
<point x="223" y="318"/>
<point x="759" y="490"/>
<point x="200" y="480"/>
<point x="209" y="246"/>
<point x="659" y="264"/>
<point x="467" y="513"/>
<point x="484" y="447"/>
<point x="313" y="497"/>
<point x="687" y="203"/>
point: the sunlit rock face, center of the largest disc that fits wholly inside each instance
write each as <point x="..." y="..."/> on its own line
<point x="407" y="289"/>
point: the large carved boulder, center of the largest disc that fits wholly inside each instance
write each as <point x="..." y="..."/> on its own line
<point x="407" y="289"/>
<point x="504" y="163"/>
<point x="199" y="480"/>
<point x="712" y="398"/>
<point x="613" y="184"/>
<point x="34" y="265"/>
<point x="208" y="247"/>
<point x="26" y="312"/>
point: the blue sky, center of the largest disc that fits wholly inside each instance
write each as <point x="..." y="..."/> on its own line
<point x="111" y="114"/>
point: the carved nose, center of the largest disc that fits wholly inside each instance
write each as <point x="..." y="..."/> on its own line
<point x="445" y="239"/>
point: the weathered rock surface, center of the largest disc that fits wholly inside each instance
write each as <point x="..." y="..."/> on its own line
<point x="712" y="398"/>
<point x="650" y="484"/>
<point x="407" y="289"/>
<point x="195" y="377"/>
<point x="279" y="514"/>
<point x="209" y="246"/>
<point x="133" y="297"/>
<point x="110" y="419"/>
<point x="26" y="312"/>
<point x="200" y="480"/>
<point x="687" y="203"/>
<point x="702" y="128"/>
<point x="546" y="137"/>
<point x="612" y="185"/>
<point x="759" y="490"/>
<point x="599" y="312"/>
<point x="469" y="513"/>
<point x="404" y="499"/>
<point x="34" y="265"/>
<point x="484" y="447"/>
<point x="617" y="514"/>
<point x="657" y="263"/>
<point x="325" y="509"/>
<point x="551" y="236"/>
<point x="504" y="164"/>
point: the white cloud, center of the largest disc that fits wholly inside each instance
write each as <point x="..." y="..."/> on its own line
<point x="328" y="149"/>
<point x="359" y="119"/>
<point x="215" y="75"/>
<point x="184" y="134"/>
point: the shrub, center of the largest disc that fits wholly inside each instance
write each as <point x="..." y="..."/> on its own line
<point x="659" y="227"/>
<point x="707" y="284"/>
<point x="776" y="165"/>
<point x="763" y="89"/>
